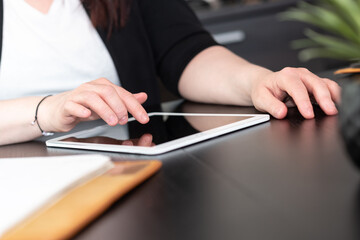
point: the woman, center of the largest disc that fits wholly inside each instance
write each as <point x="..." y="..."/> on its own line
<point x="51" y="47"/>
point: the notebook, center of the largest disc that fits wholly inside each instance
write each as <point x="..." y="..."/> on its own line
<point x="29" y="184"/>
<point x="57" y="196"/>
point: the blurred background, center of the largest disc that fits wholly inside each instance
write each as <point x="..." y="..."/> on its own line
<point x="214" y="4"/>
<point x="253" y="30"/>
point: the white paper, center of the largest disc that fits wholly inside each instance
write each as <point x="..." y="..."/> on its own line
<point x="28" y="184"/>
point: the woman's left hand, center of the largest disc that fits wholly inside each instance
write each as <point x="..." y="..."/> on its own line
<point x="217" y="75"/>
<point x="275" y="91"/>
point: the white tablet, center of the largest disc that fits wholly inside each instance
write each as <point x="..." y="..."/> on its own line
<point x="163" y="133"/>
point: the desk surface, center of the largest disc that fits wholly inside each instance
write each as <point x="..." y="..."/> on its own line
<point x="285" y="179"/>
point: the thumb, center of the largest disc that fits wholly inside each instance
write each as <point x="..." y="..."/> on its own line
<point x="267" y="102"/>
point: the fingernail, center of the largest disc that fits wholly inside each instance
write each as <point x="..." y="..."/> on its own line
<point x="85" y="112"/>
<point x="112" y="120"/>
<point x="331" y="107"/>
<point x="309" y="112"/>
<point x="280" y="113"/>
<point x="123" y="120"/>
<point x="144" y="117"/>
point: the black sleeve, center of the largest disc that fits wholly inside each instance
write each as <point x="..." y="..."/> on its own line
<point x="176" y="36"/>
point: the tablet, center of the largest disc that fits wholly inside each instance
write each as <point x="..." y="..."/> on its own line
<point x="163" y="133"/>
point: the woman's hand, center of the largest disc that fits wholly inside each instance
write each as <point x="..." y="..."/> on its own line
<point x="274" y="91"/>
<point x="93" y="100"/>
<point x="217" y="75"/>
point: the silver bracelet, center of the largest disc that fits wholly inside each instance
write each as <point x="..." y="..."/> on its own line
<point x="36" y="118"/>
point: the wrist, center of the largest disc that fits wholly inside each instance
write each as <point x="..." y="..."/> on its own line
<point x="260" y="75"/>
<point x="246" y="79"/>
<point x="41" y="119"/>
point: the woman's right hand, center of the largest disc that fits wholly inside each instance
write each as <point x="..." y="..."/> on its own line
<point x="90" y="101"/>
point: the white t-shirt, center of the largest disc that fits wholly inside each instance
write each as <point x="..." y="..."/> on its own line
<point x="50" y="53"/>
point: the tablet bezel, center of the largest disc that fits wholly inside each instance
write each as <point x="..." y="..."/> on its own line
<point x="163" y="147"/>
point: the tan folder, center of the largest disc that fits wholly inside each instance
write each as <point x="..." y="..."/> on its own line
<point x="80" y="206"/>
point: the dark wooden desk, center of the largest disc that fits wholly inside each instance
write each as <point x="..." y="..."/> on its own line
<point x="286" y="179"/>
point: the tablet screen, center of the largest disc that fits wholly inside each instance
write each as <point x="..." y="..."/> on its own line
<point x="160" y="129"/>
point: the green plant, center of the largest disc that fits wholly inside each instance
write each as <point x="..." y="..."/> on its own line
<point x="339" y="19"/>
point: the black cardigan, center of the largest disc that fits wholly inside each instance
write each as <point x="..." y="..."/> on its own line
<point x="159" y="40"/>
